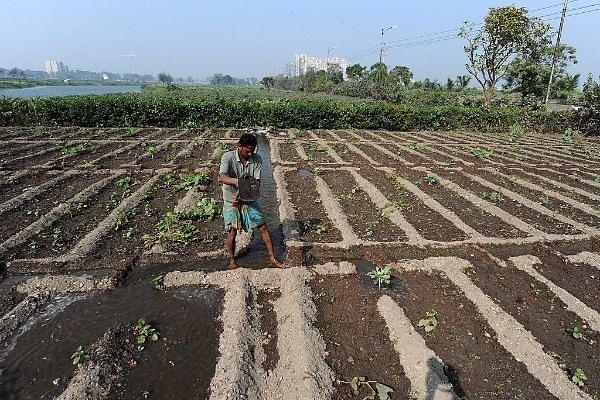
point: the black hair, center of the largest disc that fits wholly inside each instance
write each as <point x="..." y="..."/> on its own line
<point x="248" y="139"/>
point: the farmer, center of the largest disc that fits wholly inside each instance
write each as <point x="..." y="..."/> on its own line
<point x="238" y="214"/>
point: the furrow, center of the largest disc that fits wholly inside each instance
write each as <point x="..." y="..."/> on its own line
<point x="423" y="368"/>
<point x="511" y="334"/>
<point x="527" y="263"/>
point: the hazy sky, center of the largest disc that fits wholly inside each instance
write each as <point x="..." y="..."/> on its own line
<point x="246" y="38"/>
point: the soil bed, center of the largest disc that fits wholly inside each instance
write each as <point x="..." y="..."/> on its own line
<point x="428" y="223"/>
<point x="313" y="222"/>
<point x="483" y="222"/>
<point x="541" y="312"/>
<point x="539" y="221"/>
<point x="364" y="217"/>
<point x="477" y="366"/>
<point x="356" y="337"/>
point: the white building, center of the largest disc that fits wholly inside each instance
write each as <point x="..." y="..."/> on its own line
<point x="304" y="63"/>
<point x="55" y="67"/>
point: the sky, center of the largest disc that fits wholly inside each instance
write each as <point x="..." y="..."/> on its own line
<point x="257" y="38"/>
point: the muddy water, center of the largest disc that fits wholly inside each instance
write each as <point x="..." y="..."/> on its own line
<point x="257" y="255"/>
<point x="179" y="366"/>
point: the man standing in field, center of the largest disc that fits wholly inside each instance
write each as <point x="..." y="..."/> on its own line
<point x="243" y="212"/>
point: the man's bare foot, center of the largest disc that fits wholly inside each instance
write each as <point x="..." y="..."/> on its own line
<point x="232" y="265"/>
<point x="275" y="263"/>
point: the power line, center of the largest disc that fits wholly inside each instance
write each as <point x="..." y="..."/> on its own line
<point x="442" y="36"/>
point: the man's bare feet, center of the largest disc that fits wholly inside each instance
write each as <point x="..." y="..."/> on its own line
<point x="232" y="265"/>
<point x="275" y="263"/>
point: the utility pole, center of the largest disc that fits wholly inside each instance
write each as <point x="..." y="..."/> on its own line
<point x="556" y="48"/>
<point x="383" y="30"/>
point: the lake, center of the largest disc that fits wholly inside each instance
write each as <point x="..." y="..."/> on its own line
<point x="58" y="91"/>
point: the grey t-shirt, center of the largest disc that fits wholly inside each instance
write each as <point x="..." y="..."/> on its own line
<point x="232" y="166"/>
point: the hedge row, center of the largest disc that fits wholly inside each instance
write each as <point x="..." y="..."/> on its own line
<point x="134" y="109"/>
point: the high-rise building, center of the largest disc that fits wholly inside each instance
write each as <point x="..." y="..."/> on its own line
<point x="304" y="63"/>
<point x="55" y="67"/>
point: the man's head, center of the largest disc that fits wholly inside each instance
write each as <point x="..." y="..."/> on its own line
<point x="246" y="145"/>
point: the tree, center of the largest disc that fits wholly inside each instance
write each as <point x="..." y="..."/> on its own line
<point x="506" y="32"/>
<point x="378" y="73"/>
<point x="164" y="77"/>
<point x="462" y="81"/>
<point x="356" y="72"/>
<point x="401" y="75"/>
<point x="529" y="72"/>
<point x="268" y="82"/>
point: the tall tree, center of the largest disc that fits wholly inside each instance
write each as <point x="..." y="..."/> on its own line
<point x="529" y="72"/>
<point x="506" y="32"/>
<point x="164" y="77"/>
<point x="356" y="72"/>
<point x="401" y="75"/>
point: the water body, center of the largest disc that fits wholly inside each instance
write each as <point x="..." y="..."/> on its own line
<point x="61" y="91"/>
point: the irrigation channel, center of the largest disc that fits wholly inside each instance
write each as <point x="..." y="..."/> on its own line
<point x="114" y="282"/>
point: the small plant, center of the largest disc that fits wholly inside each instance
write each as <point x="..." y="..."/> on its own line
<point x="219" y="145"/>
<point x="144" y="333"/>
<point x="575" y="332"/>
<point x="192" y="180"/>
<point x="322" y="227"/>
<point x="481" y="153"/>
<point x="544" y="200"/>
<point x="597" y="179"/>
<point x="570" y="135"/>
<point x="370" y="228"/>
<point x="380" y="392"/>
<point x="579" y="377"/>
<point x="430" y="321"/>
<point x="415" y="146"/>
<point x="318" y="200"/>
<point x="380" y="275"/>
<point x="157" y="281"/>
<point x="493" y="197"/>
<point x="431" y="178"/>
<point x="80" y="356"/>
<point x="146" y="394"/>
<point x="515" y="132"/>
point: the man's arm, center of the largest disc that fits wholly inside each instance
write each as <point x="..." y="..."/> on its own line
<point x="227" y="180"/>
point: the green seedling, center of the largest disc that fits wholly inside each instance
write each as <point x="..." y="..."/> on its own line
<point x="319" y="295"/>
<point x="370" y="228"/>
<point x="575" y="332"/>
<point x="157" y="281"/>
<point x="80" y="356"/>
<point x="493" y="197"/>
<point x="515" y="132"/>
<point x="380" y="392"/>
<point x="219" y="145"/>
<point x="144" y="333"/>
<point x="544" y="200"/>
<point x="415" y="146"/>
<point x="430" y="321"/>
<point x="597" y="179"/>
<point x="318" y="200"/>
<point x="579" y="377"/>
<point x="146" y="394"/>
<point x="191" y="180"/>
<point x="322" y="227"/>
<point x="380" y="275"/>
<point x="431" y="178"/>
<point x="481" y="153"/>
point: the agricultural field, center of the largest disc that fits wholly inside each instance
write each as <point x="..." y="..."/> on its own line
<point x="420" y="265"/>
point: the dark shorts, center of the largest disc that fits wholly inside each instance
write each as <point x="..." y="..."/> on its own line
<point x="246" y="218"/>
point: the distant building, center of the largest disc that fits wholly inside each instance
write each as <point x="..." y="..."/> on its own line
<point x="304" y="63"/>
<point x="55" y="67"/>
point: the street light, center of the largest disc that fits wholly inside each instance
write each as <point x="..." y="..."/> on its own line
<point x="384" y="30"/>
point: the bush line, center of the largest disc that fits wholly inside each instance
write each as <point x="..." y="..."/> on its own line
<point x="139" y="110"/>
